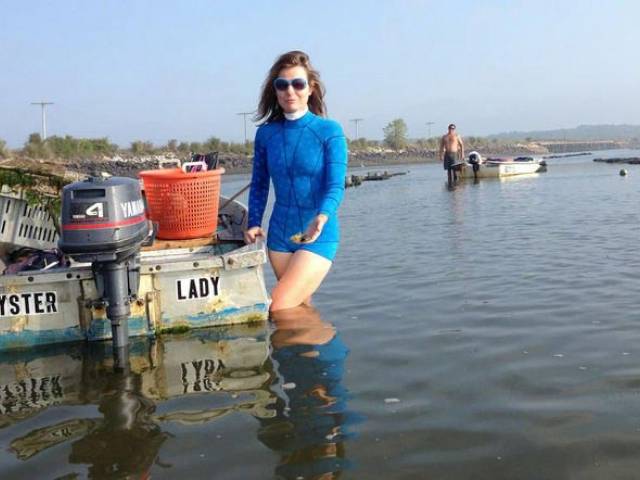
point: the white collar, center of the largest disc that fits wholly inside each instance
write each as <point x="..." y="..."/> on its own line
<point x="297" y="114"/>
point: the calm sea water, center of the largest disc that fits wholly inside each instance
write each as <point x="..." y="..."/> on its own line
<point x="486" y="332"/>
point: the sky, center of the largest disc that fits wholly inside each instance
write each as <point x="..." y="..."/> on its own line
<point x="157" y="70"/>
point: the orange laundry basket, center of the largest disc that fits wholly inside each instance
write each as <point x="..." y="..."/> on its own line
<point x="185" y="205"/>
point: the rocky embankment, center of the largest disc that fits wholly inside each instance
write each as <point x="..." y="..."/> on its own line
<point x="233" y="163"/>
<point x="129" y="165"/>
<point x="575" y="146"/>
<point x="378" y="157"/>
<point x="627" y="160"/>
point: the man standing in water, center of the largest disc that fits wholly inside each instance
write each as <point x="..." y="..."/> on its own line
<point x="451" y="153"/>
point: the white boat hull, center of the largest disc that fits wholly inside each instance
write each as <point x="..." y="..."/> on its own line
<point x="501" y="169"/>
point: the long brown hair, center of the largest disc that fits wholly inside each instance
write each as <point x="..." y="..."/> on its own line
<point x="269" y="109"/>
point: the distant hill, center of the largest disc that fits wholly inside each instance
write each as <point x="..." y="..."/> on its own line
<point x="581" y="133"/>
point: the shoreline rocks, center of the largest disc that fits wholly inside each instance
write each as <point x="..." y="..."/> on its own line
<point x="130" y="165"/>
<point x="567" y="155"/>
<point x="627" y="160"/>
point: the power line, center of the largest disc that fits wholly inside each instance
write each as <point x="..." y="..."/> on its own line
<point x="244" y="115"/>
<point x="357" y="122"/>
<point x="44" y="117"/>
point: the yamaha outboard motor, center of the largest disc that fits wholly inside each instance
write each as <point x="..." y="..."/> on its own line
<point x="475" y="159"/>
<point x="104" y="223"/>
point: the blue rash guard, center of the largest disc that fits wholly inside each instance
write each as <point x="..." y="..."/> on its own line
<point x="307" y="161"/>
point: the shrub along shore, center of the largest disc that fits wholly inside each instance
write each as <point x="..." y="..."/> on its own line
<point x="99" y="155"/>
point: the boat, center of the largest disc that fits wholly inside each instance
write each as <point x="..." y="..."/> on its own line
<point x="183" y="284"/>
<point x="476" y="167"/>
<point x="356" y="180"/>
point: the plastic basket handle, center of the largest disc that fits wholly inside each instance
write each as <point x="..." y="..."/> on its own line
<point x="162" y="163"/>
<point x="192" y="167"/>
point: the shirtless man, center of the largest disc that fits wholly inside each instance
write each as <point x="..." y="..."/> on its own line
<point x="451" y="153"/>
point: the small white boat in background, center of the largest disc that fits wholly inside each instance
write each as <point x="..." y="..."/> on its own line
<point x="477" y="167"/>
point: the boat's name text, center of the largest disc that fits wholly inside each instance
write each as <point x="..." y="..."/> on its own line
<point x="195" y="288"/>
<point x="197" y="375"/>
<point x="28" y="303"/>
<point x="30" y="393"/>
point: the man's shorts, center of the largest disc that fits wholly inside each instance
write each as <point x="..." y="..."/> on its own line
<point x="450" y="160"/>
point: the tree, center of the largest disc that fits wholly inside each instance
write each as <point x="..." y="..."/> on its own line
<point x="172" y="145"/>
<point x="395" y="134"/>
<point x="36" y="148"/>
<point x="358" y="144"/>
<point x="212" y="144"/>
<point x="35" y="139"/>
<point x="3" y="149"/>
<point x="140" y="148"/>
<point x="69" y="147"/>
<point x="239" y="148"/>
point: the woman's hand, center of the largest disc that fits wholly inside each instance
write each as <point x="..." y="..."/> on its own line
<point x="252" y="234"/>
<point x="315" y="228"/>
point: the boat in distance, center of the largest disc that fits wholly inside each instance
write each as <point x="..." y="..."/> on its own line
<point x="476" y="167"/>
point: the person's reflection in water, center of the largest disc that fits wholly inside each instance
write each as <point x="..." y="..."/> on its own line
<point x="127" y="441"/>
<point x="310" y="425"/>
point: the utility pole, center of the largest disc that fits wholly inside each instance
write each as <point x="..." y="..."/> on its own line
<point x="244" y="115"/>
<point x="429" y="125"/>
<point x="356" y="121"/>
<point x="44" y="117"/>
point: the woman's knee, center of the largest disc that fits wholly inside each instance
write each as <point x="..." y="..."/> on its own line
<point x="282" y="299"/>
<point x="304" y="274"/>
<point x="289" y="293"/>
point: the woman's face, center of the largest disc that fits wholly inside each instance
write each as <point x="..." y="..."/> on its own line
<point x="291" y="100"/>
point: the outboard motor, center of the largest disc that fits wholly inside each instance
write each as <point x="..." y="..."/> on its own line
<point x="104" y="223"/>
<point x="475" y="159"/>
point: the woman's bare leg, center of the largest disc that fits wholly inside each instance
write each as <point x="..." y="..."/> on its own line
<point x="302" y="276"/>
<point x="279" y="262"/>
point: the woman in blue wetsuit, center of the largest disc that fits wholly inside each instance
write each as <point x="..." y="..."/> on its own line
<point x="305" y="156"/>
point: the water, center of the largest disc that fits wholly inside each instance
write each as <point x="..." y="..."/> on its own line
<point x="487" y="332"/>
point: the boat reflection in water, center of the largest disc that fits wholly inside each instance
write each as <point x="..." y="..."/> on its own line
<point x="229" y="364"/>
<point x="116" y="418"/>
<point x="312" y="420"/>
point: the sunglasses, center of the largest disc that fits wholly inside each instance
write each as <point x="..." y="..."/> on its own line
<point x="282" y="84"/>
